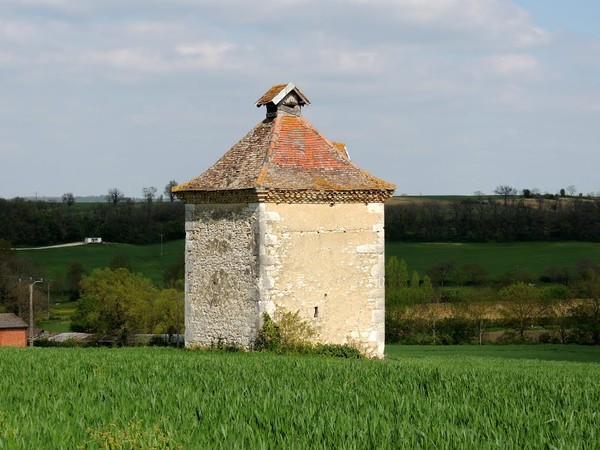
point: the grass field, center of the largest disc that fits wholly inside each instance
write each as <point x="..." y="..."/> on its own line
<point x="497" y="259"/>
<point x="167" y="398"/>
<point x="535" y="257"/>
<point x="145" y="259"/>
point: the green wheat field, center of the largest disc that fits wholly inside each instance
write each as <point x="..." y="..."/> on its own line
<point x="419" y="397"/>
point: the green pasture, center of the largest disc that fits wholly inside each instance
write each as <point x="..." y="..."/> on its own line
<point x="59" y="320"/>
<point x="145" y="259"/>
<point x="166" y="398"/>
<point x="497" y="259"/>
<point x="542" y="352"/>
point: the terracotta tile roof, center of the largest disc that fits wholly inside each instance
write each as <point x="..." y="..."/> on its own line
<point x="9" y="320"/>
<point x="285" y="153"/>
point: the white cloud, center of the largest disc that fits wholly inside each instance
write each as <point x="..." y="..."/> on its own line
<point x="441" y="80"/>
<point x="456" y="23"/>
<point x="16" y="31"/>
<point x="127" y="58"/>
<point x="512" y="67"/>
<point x="206" y="54"/>
<point x="350" y="61"/>
<point x="514" y="64"/>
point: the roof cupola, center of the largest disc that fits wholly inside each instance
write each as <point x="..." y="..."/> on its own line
<point x="283" y="99"/>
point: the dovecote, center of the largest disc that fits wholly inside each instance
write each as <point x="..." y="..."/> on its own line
<point x="285" y="221"/>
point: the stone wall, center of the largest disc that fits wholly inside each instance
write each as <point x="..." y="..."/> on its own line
<point x="327" y="262"/>
<point x="221" y="301"/>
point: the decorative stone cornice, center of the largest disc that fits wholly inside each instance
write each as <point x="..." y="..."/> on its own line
<point x="284" y="196"/>
<point x="354" y="196"/>
<point x="219" y="197"/>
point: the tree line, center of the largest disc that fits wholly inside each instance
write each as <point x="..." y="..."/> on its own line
<point x="421" y="311"/>
<point x="501" y="219"/>
<point x="119" y="219"/>
<point x="16" y="275"/>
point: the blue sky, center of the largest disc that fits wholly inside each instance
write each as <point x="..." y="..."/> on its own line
<point x="437" y="96"/>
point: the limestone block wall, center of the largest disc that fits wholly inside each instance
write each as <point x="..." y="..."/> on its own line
<point x="221" y="301"/>
<point x="327" y="262"/>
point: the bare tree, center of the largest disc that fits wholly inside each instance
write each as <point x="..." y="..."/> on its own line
<point x="521" y="306"/>
<point x="149" y="193"/>
<point x="441" y="271"/>
<point x="571" y="189"/>
<point x="169" y="190"/>
<point x="68" y="198"/>
<point x="478" y="311"/>
<point x="505" y="191"/>
<point x="114" y="196"/>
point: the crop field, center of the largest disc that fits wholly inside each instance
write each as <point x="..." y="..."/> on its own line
<point x="535" y="257"/>
<point x="168" y="398"/>
<point x="145" y="259"/>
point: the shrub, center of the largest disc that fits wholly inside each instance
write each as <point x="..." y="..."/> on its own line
<point x="288" y="332"/>
<point x="338" y="351"/>
<point x="291" y="334"/>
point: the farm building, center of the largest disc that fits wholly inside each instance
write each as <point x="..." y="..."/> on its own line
<point x="285" y="221"/>
<point x="13" y="331"/>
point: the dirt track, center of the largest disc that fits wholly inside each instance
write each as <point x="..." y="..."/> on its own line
<point x="72" y="244"/>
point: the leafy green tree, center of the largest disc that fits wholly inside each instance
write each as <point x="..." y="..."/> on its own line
<point x="116" y="302"/>
<point x="427" y="288"/>
<point x="396" y="273"/>
<point x="415" y="279"/>
<point x="167" y="313"/>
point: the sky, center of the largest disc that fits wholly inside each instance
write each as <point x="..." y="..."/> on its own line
<point x="444" y="97"/>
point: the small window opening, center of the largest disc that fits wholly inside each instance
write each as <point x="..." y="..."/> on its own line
<point x="316" y="311"/>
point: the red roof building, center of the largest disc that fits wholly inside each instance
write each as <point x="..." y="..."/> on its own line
<point x="13" y="331"/>
<point x="283" y="222"/>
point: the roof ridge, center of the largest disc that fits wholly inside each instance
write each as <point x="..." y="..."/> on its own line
<point x="275" y="132"/>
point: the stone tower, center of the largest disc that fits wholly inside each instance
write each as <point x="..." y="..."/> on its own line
<point x="285" y="220"/>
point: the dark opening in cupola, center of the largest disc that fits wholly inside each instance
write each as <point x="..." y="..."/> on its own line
<point x="283" y="99"/>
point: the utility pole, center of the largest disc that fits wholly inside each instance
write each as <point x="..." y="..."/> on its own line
<point x="31" y="308"/>
<point x="49" y="298"/>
